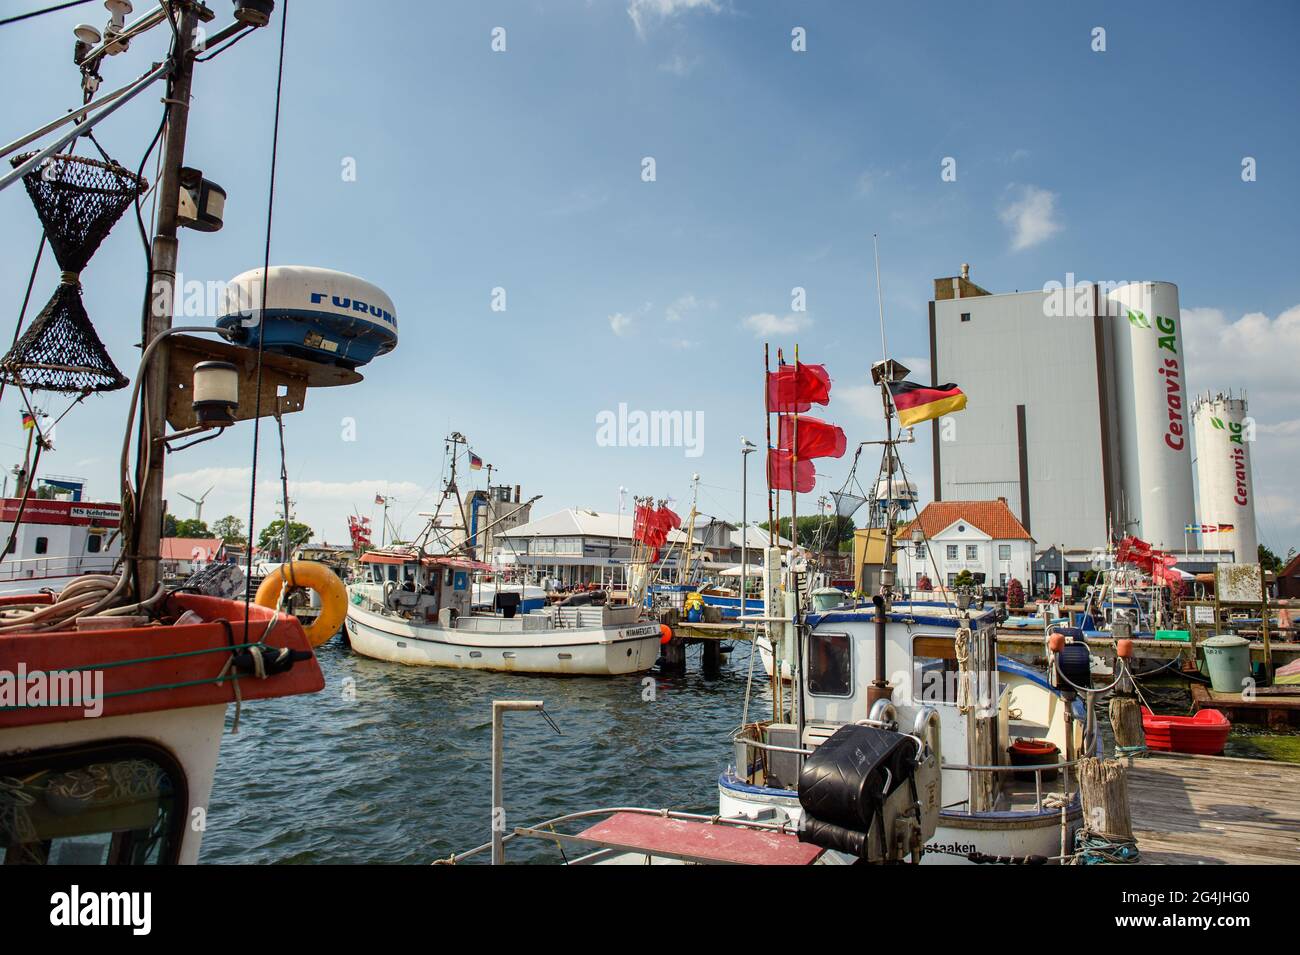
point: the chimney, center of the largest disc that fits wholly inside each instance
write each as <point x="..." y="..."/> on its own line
<point x="1002" y="500"/>
<point x="517" y="487"/>
<point x="965" y="271"/>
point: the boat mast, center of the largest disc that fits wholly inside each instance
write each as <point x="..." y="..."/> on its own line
<point x="150" y="456"/>
<point x="883" y="374"/>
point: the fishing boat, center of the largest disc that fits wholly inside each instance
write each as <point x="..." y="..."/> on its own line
<point x="57" y="541"/>
<point x="417" y="605"/>
<point x="413" y="608"/>
<point x="114" y="690"/>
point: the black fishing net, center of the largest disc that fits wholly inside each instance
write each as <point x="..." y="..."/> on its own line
<point x="78" y="200"/>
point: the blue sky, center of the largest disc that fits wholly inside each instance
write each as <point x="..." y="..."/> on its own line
<point x="522" y="170"/>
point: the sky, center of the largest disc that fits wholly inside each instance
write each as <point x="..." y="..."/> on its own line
<point x="651" y="187"/>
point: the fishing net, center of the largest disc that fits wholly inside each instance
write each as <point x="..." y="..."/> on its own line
<point x="78" y="200"/>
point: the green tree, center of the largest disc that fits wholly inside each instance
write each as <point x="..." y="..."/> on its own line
<point x="964" y="579"/>
<point x="818" y="527"/>
<point x="230" y="529"/>
<point x="192" y="527"/>
<point x="1270" y="561"/>
<point x="174" y="526"/>
<point x="272" y="537"/>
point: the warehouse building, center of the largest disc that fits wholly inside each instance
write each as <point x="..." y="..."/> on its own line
<point x="1078" y="409"/>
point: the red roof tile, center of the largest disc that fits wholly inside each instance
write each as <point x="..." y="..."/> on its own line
<point x="182" y="548"/>
<point x="992" y="517"/>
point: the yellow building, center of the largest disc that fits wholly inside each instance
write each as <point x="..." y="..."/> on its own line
<point x="868" y="554"/>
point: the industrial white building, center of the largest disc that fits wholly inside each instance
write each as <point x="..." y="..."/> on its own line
<point x="1078" y="409"/>
<point x="1225" y="492"/>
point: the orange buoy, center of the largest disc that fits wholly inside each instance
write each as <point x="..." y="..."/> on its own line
<point x="1056" y="642"/>
<point x="1124" y="648"/>
<point x="665" y="633"/>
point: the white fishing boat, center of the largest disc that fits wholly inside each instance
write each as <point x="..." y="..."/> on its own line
<point x="416" y="609"/>
<point x="939" y="664"/>
<point x="57" y="541"/>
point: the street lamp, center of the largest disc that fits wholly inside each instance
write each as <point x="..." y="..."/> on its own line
<point x="747" y="448"/>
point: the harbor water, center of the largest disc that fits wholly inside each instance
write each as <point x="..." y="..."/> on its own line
<point x="392" y="763"/>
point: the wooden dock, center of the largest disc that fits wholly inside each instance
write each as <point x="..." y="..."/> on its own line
<point x="1275" y="706"/>
<point x="1214" y="810"/>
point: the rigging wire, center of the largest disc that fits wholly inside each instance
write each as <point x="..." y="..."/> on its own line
<point x="261" y="319"/>
<point x="37" y="13"/>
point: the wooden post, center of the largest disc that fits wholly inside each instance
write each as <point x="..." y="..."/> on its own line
<point x="712" y="659"/>
<point x="1126" y="721"/>
<point x="1103" y="787"/>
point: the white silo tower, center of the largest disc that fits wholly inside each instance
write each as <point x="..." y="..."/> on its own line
<point x="1153" y="412"/>
<point x="1225" y="492"/>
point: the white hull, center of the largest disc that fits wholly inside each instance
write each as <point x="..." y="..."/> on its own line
<point x="765" y="655"/>
<point x="192" y="736"/>
<point x="591" y="651"/>
<point x="996" y="834"/>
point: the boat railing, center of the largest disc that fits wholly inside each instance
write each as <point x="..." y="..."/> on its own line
<point x="29" y="568"/>
<point x="1037" y="770"/>
<point x="741" y="738"/>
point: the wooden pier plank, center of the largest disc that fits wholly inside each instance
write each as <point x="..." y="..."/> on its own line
<point x="1215" y="810"/>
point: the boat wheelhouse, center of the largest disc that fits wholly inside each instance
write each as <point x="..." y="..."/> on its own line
<point x="418" y="609"/>
<point x="936" y="660"/>
<point x="56" y="541"/>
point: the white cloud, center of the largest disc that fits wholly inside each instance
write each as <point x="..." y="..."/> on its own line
<point x="1030" y="216"/>
<point x="322" y="505"/>
<point x="765" y="324"/>
<point x="680" y="307"/>
<point x="620" y="323"/>
<point x="644" y="11"/>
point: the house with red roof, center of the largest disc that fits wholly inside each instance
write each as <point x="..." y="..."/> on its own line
<point x="182" y="556"/>
<point x="947" y="537"/>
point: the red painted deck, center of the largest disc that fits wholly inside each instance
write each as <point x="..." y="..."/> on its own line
<point x="700" y="841"/>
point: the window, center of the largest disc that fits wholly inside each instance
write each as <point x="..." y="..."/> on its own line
<point x="830" y="664"/>
<point x="918" y="550"/>
<point x="972" y="552"/>
<point x="951" y="551"/>
<point x="1004" y="552"/>
<point x="107" y="803"/>
<point x="965" y="316"/>
<point x="1002" y="580"/>
<point x="934" y="670"/>
<point x="919" y="575"/>
<point x="93" y="543"/>
<point x="42" y="545"/>
<point x="952" y="579"/>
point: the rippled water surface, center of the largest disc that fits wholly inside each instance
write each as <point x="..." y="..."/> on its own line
<point x="402" y="772"/>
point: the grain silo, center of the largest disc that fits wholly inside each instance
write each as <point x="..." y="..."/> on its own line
<point x="1225" y="494"/>
<point x="1152" y="412"/>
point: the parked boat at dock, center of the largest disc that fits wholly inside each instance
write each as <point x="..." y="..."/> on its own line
<point x="413" y="609"/>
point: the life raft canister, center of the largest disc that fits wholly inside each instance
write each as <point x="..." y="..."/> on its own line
<point x="315" y="576"/>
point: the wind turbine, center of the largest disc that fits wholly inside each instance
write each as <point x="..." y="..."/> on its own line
<point x="198" y="503"/>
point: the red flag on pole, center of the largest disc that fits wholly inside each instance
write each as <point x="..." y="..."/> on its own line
<point x="778" y="472"/>
<point x="796" y="388"/>
<point x="817" y="438"/>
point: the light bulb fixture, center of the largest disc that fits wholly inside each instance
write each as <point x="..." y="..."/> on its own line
<point x="256" y="13"/>
<point x="85" y="33"/>
<point x="216" y="393"/>
<point x="118" y="11"/>
<point x="202" y="203"/>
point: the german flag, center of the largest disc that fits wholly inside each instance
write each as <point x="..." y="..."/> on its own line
<point x="917" y="403"/>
